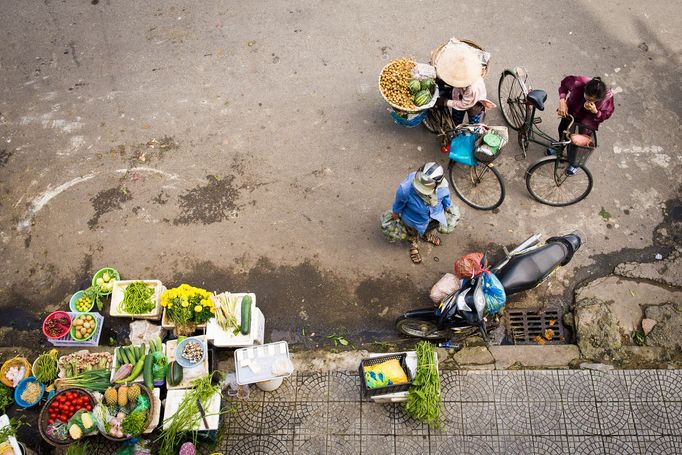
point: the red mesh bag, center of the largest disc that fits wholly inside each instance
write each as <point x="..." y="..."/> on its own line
<point x="469" y="265"/>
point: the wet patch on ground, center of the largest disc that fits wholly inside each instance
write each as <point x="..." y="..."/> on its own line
<point x="304" y="305"/>
<point x="5" y="155"/>
<point x="210" y="203"/>
<point x="107" y="201"/>
<point x="142" y="153"/>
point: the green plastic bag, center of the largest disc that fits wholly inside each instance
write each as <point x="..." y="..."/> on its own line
<point x="159" y="366"/>
<point x="452" y="216"/>
<point x="394" y="230"/>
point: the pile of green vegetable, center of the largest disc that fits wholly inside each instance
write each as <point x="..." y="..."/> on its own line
<point x="137" y="299"/>
<point x="424" y="399"/>
<point x="45" y="367"/>
<point x="93" y="380"/>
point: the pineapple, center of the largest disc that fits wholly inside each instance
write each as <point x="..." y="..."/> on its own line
<point x="133" y="393"/>
<point x="110" y="396"/>
<point x="122" y="396"/>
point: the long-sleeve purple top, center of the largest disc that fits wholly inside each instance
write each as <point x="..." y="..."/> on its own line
<point x="572" y="89"/>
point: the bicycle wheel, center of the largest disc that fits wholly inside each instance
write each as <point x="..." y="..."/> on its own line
<point x="512" y="96"/>
<point x="547" y="182"/>
<point x="479" y="186"/>
<point x="420" y="328"/>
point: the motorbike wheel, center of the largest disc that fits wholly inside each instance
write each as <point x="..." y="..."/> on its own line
<point x="421" y="328"/>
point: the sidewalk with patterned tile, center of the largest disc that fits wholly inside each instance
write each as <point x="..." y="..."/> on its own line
<point x="487" y="412"/>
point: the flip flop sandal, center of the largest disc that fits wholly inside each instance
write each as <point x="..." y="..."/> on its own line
<point x="415" y="256"/>
<point x="432" y="238"/>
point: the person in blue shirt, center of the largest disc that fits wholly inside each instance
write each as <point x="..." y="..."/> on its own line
<point x="420" y="202"/>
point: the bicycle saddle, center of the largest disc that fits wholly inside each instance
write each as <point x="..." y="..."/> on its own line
<point x="537" y="98"/>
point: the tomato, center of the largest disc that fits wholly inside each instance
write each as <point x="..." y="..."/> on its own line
<point x="88" y="407"/>
<point x="72" y="408"/>
<point x="61" y="399"/>
<point x="63" y="418"/>
<point x="50" y="422"/>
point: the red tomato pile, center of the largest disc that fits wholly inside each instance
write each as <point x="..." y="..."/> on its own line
<point x="66" y="404"/>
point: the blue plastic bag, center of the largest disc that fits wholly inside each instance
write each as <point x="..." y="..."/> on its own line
<point x="462" y="148"/>
<point x="495" y="297"/>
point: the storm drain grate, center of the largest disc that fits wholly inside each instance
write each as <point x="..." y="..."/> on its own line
<point x="536" y="327"/>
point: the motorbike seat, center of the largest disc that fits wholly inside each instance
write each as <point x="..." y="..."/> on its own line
<point x="537" y="98"/>
<point x="525" y="271"/>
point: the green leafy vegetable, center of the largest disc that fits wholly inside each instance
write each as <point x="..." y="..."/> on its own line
<point x="11" y="430"/>
<point x="423" y="399"/>
<point x="134" y="423"/>
<point x="78" y="449"/>
<point x="6" y="398"/>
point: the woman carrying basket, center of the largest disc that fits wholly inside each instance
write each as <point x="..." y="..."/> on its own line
<point x="460" y="67"/>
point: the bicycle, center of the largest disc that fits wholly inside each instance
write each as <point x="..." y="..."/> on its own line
<point x="546" y="180"/>
<point x="474" y="178"/>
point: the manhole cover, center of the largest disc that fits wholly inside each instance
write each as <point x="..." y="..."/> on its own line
<point x="536" y="327"/>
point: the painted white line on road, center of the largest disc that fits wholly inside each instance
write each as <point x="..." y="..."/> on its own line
<point x="40" y="201"/>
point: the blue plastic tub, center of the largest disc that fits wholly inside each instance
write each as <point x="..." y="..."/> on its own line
<point x="20" y="389"/>
<point x="411" y="121"/>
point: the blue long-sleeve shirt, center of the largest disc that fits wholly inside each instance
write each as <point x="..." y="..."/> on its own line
<point x="414" y="211"/>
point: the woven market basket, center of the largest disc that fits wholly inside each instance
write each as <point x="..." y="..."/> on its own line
<point x="45" y="416"/>
<point x="14" y="362"/>
<point x="394" y="106"/>
<point x="436" y="52"/>
<point x="143" y="391"/>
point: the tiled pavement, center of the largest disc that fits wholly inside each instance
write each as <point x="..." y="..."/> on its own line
<point x="494" y="412"/>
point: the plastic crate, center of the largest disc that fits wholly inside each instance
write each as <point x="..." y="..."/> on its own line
<point x="367" y="392"/>
<point x="67" y="340"/>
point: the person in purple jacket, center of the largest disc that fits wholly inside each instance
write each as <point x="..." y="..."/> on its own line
<point x="588" y="100"/>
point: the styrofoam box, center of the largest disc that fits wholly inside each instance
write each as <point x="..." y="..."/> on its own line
<point x="117" y="298"/>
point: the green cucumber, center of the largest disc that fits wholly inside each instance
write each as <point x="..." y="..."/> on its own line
<point x="147" y="371"/>
<point x="246" y="315"/>
<point x="123" y="355"/>
<point x="137" y="369"/>
<point x="174" y="374"/>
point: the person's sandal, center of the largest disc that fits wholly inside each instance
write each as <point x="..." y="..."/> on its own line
<point x="432" y="238"/>
<point x="414" y="255"/>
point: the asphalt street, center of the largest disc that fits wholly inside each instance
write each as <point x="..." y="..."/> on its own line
<point x="244" y="146"/>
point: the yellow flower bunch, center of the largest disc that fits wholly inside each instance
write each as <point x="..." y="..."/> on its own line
<point x="186" y="304"/>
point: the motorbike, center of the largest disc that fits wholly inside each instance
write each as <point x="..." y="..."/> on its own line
<point x="464" y="312"/>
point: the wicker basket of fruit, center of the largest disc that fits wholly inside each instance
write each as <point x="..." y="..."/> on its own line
<point x="125" y="411"/>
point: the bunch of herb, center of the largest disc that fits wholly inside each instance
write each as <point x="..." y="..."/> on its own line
<point x="423" y="399"/>
<point x="11" y="430"/>
<point x="179" y="426"/>
<point x="78" y="449"/>
<point x="6" y="398"/>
